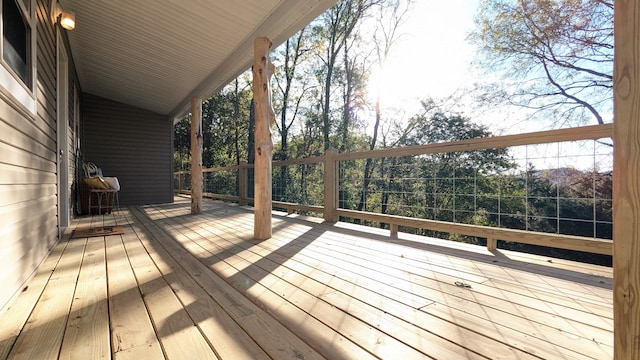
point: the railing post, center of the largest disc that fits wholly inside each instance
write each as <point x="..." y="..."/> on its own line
<point x="492" y="244"/>
<point x="393" y="230"/>
<point x="330" y="185"/>
<point x="243" y="183"/>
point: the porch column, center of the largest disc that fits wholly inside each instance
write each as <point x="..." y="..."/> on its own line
<point x="196" y="155"/>
<point x="626" y="181"/>
<point x="262" y="71"/>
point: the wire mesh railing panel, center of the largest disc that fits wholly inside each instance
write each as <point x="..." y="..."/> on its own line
<point x="182" y="181"/>
<point x="562" y="188"/>
<point x="300" y="184"/>
<point x="221" y="182"/>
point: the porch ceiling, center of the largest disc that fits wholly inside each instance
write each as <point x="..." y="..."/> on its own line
<point x="158" y="54"/>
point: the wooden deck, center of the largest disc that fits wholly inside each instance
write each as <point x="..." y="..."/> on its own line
<point x="178" y="286"/>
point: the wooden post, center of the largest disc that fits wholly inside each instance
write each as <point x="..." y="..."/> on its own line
<point x="242" y="183"/>
<point x="330" y="185"/>
<point x="196" y="155"/>
<point x="393" y="230"/>
<point x="262" y="71"/>
<point x="492" y="244"/>
<point x="626" y="181"/>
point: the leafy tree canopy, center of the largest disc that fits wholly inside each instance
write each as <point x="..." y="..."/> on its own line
<point x="556" y="54"/>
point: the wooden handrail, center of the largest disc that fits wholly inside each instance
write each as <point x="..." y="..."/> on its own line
<point x="493" y="142"/>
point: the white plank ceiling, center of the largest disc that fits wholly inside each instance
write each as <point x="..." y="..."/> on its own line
<point x="158" y="54"/>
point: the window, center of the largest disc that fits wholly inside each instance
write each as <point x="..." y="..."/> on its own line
<point x="16" y="38"/>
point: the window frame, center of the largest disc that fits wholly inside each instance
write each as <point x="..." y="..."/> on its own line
<point x="11" y="84"/>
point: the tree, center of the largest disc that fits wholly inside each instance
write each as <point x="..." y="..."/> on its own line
<point x="291" y="87"/>
<point x="385" y="36"/>
<point x="556" y="54"/>
<point x="437" y="186"/>
<point x="242" y="101"/>
<point x="336" y="25"/>
<point x="354" y="74"/>
<point x="225" y="116"/>
<point x="182" y="144"/>
<point x="451" y="178"/>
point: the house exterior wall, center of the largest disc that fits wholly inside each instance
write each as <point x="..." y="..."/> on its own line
<point x="132" y="144"/>
<point x="28" y="161"/>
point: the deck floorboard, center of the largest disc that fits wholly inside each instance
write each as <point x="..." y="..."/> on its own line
<point x="182" y="286"/>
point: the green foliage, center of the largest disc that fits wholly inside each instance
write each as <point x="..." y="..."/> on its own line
<point x="225" y="121"/>
<point x="435" y="186"/>
<point x="181" y="145"/>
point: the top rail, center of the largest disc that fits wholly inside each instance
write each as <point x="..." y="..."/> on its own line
<point x="494" y="142"/>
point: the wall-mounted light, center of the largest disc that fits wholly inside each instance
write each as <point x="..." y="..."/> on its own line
<point x="67" y="18"/>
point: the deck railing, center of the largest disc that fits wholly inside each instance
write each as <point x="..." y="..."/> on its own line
<point x="551" y="188"/>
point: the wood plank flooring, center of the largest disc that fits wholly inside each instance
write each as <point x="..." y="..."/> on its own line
<point x="179" y="286"/>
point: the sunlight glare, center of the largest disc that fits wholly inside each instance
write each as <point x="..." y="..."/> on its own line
<point x="431" y="59"/>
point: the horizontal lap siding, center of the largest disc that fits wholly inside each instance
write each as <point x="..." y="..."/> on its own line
<point x="28" y="192"/>
<point x="132" y="144"/>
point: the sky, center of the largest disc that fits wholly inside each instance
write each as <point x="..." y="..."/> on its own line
<point x="432" y="58"/>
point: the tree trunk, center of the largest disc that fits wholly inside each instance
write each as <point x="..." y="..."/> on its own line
<point x="236" y="139"/>
<point x="368" y="168"/>
<point x="346" y="111"/>
<point x="262" y="71"/>
<point x="326" y="125"/>
<point x="236" y="117"/>
<point x="288" y="73"/>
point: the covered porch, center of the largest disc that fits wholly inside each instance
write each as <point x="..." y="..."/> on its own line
<point x="176" y="285"/>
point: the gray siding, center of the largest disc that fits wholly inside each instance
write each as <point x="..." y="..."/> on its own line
<point x="28" y="190"/>
<point x="132" y="144"/>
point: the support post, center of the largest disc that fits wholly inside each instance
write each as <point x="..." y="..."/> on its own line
<point x="196" y="155"/>
<point x="626" y="181"/>
<point x="242" y="183"/>
<point x="262" y="71"/>
<point x="330" y="185"/>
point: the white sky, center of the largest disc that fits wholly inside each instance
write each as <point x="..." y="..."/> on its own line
<point x="432" y="58"/>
